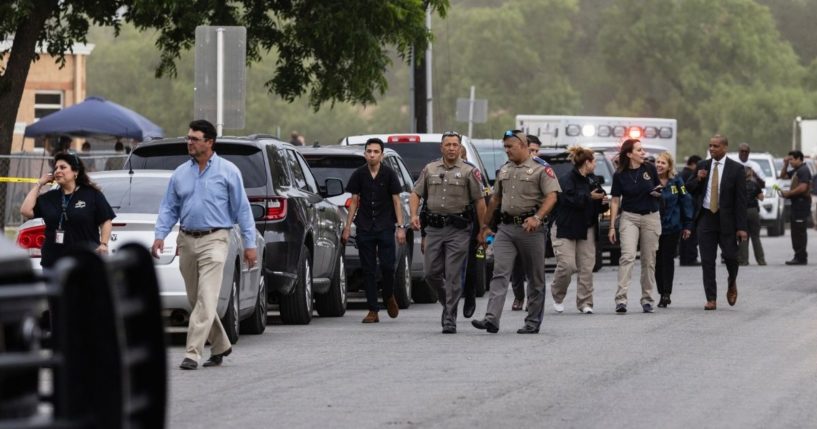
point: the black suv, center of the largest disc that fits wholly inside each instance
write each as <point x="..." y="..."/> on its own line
<point x="302" y="229"/>
<point x="340" y="162"/>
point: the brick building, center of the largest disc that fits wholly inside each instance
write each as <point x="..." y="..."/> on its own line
<point x="48" y="89"/>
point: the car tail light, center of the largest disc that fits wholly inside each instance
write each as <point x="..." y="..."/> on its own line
<point x="32" y="239"/>
<point x="348" y="203"/>
<point x="403" y="139"/>
<point x="276" y="207"/>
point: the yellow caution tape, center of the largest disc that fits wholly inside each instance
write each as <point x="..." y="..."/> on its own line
<point x="18" y="180"/>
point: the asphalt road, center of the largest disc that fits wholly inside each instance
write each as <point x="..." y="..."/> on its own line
<point x="752" y="365"/>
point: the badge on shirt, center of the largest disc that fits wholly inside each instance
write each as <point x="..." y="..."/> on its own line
<point x="79" y="205"/>
<point x="60" y="237"/>
<point x="646" y="176"/>
<point x="530" y="171"/>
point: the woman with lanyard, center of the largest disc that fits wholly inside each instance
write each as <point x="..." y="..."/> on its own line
<point x="636" y="190"/>
<point x="676" y="222"/>
<point x="74" y="213"/>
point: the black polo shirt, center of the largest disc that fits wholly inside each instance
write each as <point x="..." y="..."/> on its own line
<point x="86" y="210"/>
<point x="801" y="204"/>
<point x="634" y="187"/>
<point x="376" y="209"/>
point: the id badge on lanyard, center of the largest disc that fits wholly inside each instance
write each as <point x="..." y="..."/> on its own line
<point x="60" y="234"/>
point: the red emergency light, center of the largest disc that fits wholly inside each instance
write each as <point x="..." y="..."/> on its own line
<point x="403" y="139"/>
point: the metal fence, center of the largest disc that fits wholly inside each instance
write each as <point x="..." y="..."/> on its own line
<point x="24" y="169"/>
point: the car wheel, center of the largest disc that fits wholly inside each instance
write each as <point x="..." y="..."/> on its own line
<point x="333" y="302"/>
<point x="296" y="308"/>
<point x="402" y="282"/>
<point x="615" y="256"/>
<point x="257" y="323"/>
<point x="422" y="293"/>
<point x="599" y="260"/>
<point x="230" y="319"/>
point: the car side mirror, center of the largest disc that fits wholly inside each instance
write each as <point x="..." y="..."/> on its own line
<point x="258" y="211"/>
<point x="334" y="187"/>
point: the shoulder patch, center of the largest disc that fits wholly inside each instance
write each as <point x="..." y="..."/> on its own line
<point x="549" y="171"/>
<point x="477" y="175"/>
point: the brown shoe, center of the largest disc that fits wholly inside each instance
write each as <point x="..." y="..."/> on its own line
<point x="392" y="308"/>
<point x="517" y="304"/>
<point x="371" y="317"/>
<point x="711" y="305"/>
<point x="732" y="293"/>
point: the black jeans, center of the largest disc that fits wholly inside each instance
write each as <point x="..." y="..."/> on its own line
<point x="374" y="246"/>
<point x="710" y="237"/>
<point x="665" y="262"/>
<point x="799" y="235"/>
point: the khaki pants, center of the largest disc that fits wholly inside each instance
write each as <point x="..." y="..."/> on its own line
<point x="574" y="256"/>
<point x="201" y="262"/>
<point x="635" y="230"/>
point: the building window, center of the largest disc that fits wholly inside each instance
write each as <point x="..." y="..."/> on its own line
<point x="46" y="103"/>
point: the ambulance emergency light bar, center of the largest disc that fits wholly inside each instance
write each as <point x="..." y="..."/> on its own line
<point x="590" y="130"/>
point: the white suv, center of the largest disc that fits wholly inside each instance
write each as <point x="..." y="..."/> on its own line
<point x="771" y="208"/>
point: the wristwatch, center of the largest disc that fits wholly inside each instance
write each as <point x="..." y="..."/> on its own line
<point x="536" y="216"/>
<point x="399" y="225"/>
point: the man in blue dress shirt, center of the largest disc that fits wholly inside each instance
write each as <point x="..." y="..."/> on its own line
<point x="206" y="196"/>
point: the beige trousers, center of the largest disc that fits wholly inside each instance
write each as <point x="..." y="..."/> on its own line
<point x="574" y="256"/>
<point x="638" y="230"/>
<point x="201" y="261"/>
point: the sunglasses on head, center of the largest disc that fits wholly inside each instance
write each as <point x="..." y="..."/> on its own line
<point x="452" y="134"/>
<point x="513" y="133"/>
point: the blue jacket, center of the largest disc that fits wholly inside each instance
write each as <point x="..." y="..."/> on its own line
<point x="676" y="207"/>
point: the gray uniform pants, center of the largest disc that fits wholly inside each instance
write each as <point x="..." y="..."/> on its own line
<point x="445" y="255"/>
<point x="512" y="241"/>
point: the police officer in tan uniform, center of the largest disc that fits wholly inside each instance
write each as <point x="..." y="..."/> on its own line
<point x="526" y="188"/>
<point x="452" y="190"/>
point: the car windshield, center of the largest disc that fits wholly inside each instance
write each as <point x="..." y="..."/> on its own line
<point x="248" y="159"/>
<point x="416" y="155"/>
<point x="339" y="167"/>
<point x="766" y="166"/>
<point x="140" y="195"/>
<point x="492" y="154"/>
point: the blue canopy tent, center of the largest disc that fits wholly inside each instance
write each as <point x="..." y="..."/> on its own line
<point x="94" y="117"/>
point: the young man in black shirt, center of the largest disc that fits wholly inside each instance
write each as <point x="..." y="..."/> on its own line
<point x="376" y="201"/>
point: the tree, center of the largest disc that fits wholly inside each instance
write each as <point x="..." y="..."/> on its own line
<point x="332" y="51"/>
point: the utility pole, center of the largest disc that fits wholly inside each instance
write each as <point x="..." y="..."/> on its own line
<point x="420" y="87"/>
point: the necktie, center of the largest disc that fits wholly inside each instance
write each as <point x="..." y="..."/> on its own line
<point x="713" y="196"/>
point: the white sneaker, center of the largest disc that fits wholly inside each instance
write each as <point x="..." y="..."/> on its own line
<point x="587" y="309"/>
<point x="559" y="307"/>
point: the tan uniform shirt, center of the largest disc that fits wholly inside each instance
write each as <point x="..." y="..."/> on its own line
<point x="523" y="187"/>
<point x="448" y="190"/>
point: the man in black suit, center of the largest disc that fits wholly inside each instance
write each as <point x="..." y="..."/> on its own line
<point x="720" y="193"/>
